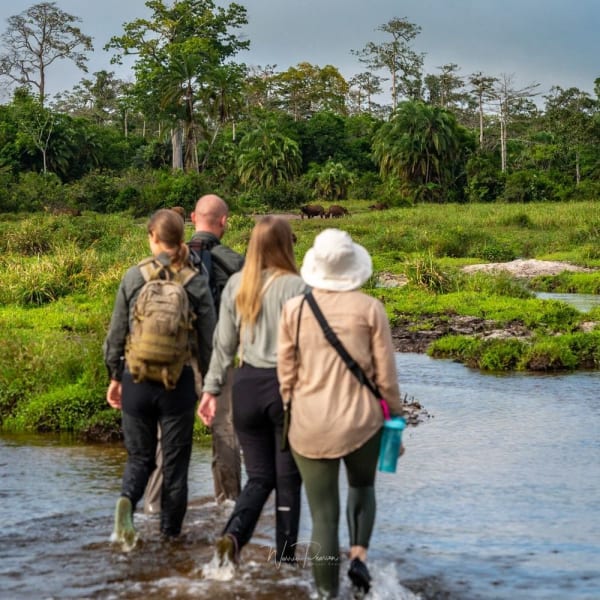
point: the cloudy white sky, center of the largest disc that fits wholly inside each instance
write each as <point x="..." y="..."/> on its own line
<point x="550" y="42"/>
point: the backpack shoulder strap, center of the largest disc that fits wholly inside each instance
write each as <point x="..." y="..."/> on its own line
<point x="150" y="268"/>
<point x="186" y="274"/>
<point x="200" y="244"/>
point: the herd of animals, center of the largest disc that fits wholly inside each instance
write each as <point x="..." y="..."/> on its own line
<point x="334" y="211"/>
<point x="308" y="210"/>
<point x="312" y="210"/>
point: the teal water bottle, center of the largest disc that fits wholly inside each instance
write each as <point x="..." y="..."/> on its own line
<point x="391" y="440"/>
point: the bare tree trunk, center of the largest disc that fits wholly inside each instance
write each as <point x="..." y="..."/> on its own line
<point x="190" y="153"/>
<point x="176" y="145"/>
<point x="42" y="85"/>
<point x="508" y="97"/>
<point x="480" y="122"/>
<point x="577" y="169"/>
<point x="503" y="143"/>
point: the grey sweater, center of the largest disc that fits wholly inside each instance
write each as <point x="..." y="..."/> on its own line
<point x="122" y="320"/>
<point x="257" y="346"/>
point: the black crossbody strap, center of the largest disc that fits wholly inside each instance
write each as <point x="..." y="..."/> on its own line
<point x="337" y="344"/>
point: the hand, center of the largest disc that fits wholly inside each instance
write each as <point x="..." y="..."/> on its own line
<point x="207" y="408"/>
<point x="401" y="451"/>
<point x="113" y="393"/>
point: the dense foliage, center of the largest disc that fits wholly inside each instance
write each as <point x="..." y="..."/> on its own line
<point x="196" y="118"/>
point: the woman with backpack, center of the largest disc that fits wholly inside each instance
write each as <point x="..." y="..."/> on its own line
<point x="248" y="322"/>
<point x="152" y="389"/>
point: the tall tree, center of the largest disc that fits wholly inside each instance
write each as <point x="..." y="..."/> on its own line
<point x="397" y="56"/>
<point x="260" y="82"/>
<point x="181" y="52"/>
<point x="95" y="99"/>
<point x="37" y="38"/>
<point x="363" y="87"/>
<point x="306" y="89"/>
<point x="510" y="100"/>
<point x="569" y="114"/>
<point x="482" y="87"/>
<point x="36" y="125"/>
<point x="445" y="89"/>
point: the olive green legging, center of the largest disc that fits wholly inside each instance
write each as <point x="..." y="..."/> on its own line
<point x="320" y="478"/>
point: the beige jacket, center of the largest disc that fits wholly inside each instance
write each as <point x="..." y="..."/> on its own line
<point x="332" y="414"/>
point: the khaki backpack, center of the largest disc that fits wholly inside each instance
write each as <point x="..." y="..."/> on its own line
<point x="160" y="344"/>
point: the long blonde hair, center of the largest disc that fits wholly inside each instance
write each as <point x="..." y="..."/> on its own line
<point x="169" y="228"/>
<point x="270" y="247"/>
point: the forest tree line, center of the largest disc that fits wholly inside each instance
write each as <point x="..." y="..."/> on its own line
<point x="195" y="119"/>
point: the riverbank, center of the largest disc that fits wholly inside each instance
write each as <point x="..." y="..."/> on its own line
<point x="416" y="333"/>
<point x="58" y="293"/>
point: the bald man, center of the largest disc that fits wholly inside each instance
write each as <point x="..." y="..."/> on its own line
<point x="219" y="262"/>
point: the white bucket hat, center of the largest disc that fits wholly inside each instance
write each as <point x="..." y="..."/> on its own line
<point x="336" y="263"/>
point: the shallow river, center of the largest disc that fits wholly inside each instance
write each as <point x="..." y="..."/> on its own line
<point x="497" y="497"/>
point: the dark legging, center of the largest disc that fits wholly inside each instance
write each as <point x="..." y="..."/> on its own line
<point x="320" y="477"/>
<point x="258" y="422"/>
<point x="145" y="406"/>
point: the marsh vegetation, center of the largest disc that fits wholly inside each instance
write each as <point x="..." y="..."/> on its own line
<point x="60" y="275"/>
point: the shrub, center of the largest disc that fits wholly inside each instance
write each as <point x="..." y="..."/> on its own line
<point x="250" y="202"/>
<point x="424" y="272"/>
<point x="458" y="347"/>
<point x="392" y="193"/>
<point x="364" y="186"/>
<point x="485" y="182"/>
<point x="34" y="191"/>
<point x="286" y="195"/>
<point x="549" y="354"/>
<point x="60" y="409"/>
<point x="494" y="284"/>
<point x="94" y="191"/>
<point x="520" y="219"/>
<point x="456" y="241"/>
<point x="528" y="186"/>
<point x="500" y="355"/>
<point x="492" y="251"/>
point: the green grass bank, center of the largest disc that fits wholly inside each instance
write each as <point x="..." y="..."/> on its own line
<point x="60" y="275"/>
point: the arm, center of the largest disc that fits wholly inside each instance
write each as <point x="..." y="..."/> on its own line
<point x="225" y="343"/>
<point x="205" y="322"/>
<point x="287" y="369"/>
<point x="384" y="364"/>
<point x="114" y="344"/>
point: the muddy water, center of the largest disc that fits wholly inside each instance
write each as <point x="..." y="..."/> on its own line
<point x="497" y="497"/>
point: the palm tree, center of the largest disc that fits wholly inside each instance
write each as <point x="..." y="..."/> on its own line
<point x="423" y="145"/>
<point x="267" y="157"/>
<point x="331" y="180"/>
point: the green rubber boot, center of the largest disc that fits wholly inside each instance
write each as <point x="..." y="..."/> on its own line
<point x="124" y="532"/>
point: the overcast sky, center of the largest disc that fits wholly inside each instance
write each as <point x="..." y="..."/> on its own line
<point x="550" y="42"/>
